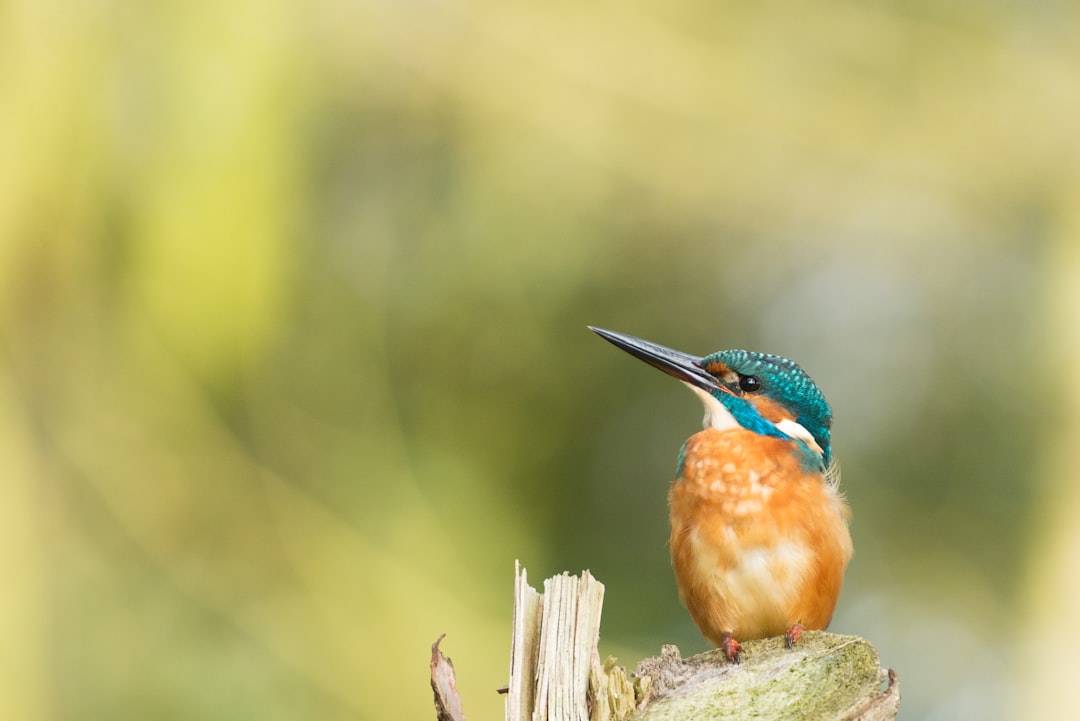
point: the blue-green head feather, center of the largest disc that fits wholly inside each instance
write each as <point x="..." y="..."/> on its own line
<point x="747" y="374"/>
<point x="763" y="393"/>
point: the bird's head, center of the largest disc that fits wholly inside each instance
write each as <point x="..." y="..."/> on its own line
<point x="763" y="393"/>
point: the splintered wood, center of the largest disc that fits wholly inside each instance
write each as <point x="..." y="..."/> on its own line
<point x="556" y="674"/>
<point x="555" y="670"/>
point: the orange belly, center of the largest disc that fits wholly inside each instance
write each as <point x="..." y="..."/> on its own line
<point x="757" y="542"/>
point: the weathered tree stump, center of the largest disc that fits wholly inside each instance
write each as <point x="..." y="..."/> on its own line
<point x="556" y="673"/>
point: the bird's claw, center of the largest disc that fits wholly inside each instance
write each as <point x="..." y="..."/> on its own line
<point x="793" y="634"/>
<point x="732" y="649"/>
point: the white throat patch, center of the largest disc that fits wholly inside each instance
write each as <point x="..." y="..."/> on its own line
<point x="716" y="416"/>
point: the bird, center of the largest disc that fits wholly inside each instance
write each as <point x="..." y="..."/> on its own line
<point x="760" y="534"/>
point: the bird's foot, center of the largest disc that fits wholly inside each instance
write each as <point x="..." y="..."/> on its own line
<point x="793" y="634"/>
<point x="732" y="648"/>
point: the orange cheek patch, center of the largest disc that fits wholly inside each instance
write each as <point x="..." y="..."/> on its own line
<point x="717" y="369"/>
<point x="770" y="409"/>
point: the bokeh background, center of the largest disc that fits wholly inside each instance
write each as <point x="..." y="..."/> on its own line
<point x="294" y="362"/>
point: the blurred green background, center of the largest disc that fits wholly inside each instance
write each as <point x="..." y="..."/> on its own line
<point x="294" y="362"/>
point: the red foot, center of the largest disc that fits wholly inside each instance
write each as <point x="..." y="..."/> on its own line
<point x="793" y="634"/>
<point x="732" y="648"/>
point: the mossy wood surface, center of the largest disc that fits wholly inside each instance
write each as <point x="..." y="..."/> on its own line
<point x="826" y="676"/>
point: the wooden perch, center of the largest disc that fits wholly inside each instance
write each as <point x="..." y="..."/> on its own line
<point x="556" y="674"/>
<point x="826" y="676"/>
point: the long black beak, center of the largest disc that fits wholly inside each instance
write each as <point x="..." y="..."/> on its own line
<point x="683" y="366"/>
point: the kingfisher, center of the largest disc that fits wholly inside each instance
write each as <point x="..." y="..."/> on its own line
<point x="759" y="528"/>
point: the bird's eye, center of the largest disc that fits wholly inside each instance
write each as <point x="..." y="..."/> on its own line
<point x="750" y="384"/>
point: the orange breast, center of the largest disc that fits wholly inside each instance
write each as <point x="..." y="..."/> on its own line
<point x="757" y="542"/>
